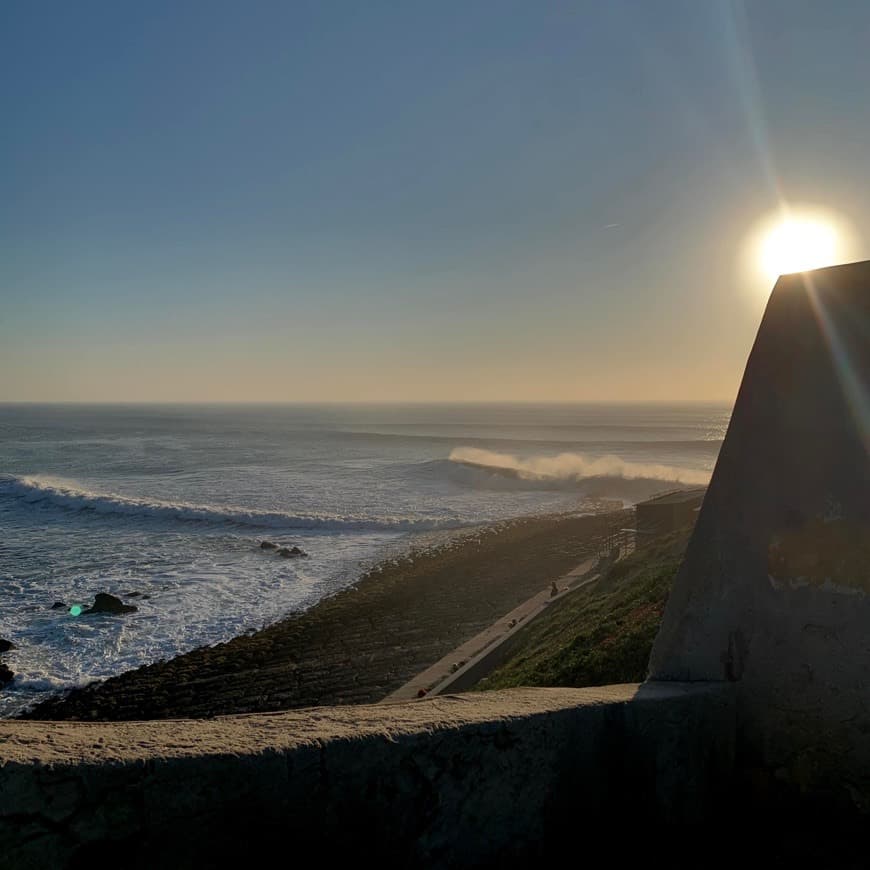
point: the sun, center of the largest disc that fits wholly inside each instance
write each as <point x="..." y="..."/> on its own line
<point x="795" y="237"/>
<point x="798" y="244"/>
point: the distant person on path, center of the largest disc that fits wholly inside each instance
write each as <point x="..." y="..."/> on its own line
<point x="554" y="590"/>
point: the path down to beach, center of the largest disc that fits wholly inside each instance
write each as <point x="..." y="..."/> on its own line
<point x="359" y="645"/>
<point x="464" y="666"/>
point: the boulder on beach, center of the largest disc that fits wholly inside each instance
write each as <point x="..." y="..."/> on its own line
<point x="6" y="645"/>
<point x="268" y="545"/>
<point x="6" y="676"/>
<point x="290" y="552"/>
<point x="105" y="603"/>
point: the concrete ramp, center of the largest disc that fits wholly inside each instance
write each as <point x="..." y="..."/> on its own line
<point x="773" y="593"/>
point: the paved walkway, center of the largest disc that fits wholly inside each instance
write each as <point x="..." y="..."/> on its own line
<point x="469" y="662"/>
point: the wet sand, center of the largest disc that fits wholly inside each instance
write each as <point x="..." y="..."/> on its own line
<point x="360" y="644"/>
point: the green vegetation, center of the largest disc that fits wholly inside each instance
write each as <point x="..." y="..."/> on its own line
<point x="600" y="634"/>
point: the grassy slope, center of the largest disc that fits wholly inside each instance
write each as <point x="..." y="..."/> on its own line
<point x="602" y="634"/>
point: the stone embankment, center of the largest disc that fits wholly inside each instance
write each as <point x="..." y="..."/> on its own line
<point x="359" y="645"/>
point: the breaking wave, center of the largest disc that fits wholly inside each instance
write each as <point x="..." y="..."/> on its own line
<point x="67" y="495"/>
<point x="605" y="475"/>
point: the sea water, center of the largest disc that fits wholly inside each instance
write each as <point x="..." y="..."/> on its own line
<point x="172" y="503"/>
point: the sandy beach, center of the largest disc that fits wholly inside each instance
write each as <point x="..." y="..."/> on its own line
<point x="360" y="644"/>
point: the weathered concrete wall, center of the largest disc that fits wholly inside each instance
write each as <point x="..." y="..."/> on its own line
<point x="773" y="593"/>
<point x="474" y="780"/>
<point x="662" y="515"/>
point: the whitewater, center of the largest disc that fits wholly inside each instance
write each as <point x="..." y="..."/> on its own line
<point x="166" y="507"/>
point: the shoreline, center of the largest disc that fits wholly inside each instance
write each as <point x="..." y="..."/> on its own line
<point x="361" y="643"/>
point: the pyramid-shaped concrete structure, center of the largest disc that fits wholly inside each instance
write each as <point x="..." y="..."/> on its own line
<point x="774" y="592"/>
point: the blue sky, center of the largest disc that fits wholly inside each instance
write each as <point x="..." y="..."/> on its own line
<point x="423" y="201"/>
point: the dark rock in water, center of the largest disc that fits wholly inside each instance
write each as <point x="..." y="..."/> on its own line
<point x="104" y="603"/>
<point x="133" y="594"/>
<point x="6" y="645"/>
<point x="58" y="605"/>
<point x="6" y="676"/>
<point x="290" y="552"/>
<point x="268" y="545"/>
<point x="145" y="596"/>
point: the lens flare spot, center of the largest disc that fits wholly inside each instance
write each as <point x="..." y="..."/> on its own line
<point x="75" y="610"/>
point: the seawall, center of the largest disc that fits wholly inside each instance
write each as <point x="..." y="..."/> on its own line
<point x="478" y="780"/>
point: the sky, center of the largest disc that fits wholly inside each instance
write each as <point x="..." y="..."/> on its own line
<point x="409" y="201"/>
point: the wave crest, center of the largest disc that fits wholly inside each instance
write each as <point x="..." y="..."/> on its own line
<point x="67" y="495"/>
<point x="575" y="468"/>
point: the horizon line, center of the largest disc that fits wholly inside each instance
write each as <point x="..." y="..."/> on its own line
<point x="359" y="402"/>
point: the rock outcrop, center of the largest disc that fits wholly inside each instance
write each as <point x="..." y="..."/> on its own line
<point x="6" y="675"/>
<point x="105" y="603"/>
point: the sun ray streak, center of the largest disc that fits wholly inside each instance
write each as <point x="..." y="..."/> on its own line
<point x="736" y="33"/>
<point x="855" y="392"/>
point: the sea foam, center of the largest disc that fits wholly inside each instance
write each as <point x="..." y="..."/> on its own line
<point x="575" y="467"/>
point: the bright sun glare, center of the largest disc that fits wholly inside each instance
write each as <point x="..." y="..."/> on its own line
<point x="797" y="245"/>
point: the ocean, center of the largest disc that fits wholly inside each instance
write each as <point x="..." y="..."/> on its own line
<point x="166" y="507"/>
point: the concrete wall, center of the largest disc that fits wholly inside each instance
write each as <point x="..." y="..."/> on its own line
<point x="662" y="515"/>
<point x="773" y="593"/>
<point x="493" y="779"/>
